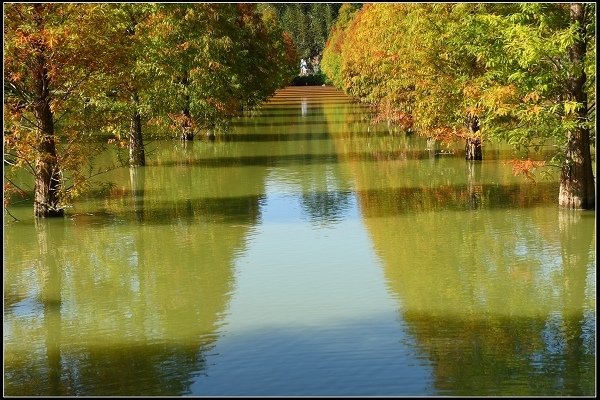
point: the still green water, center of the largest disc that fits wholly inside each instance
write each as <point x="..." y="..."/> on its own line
<point x="304" y="253"/>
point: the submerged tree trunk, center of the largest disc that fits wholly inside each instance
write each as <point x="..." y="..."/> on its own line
<point x="210" y="134"/>
<point x="187" y="132"/>
<point x="473" y="145"/>
<point x="47" y="171"/>
<point x="137" y="158"/>
<point x="473" y="149"/>
<point x="433" y="146"/>
<point x="577" y="188"/>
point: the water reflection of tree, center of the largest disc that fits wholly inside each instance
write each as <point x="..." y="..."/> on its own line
<point x="326" y="206"/>
<point x="131" y="306"/>
<point x="492" y="304"/>
<point x="325" y="191"/>
<point x="493" y="293"/>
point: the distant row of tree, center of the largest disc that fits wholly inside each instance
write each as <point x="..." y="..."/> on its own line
<point x="520" y="73"/>
<point x="74" y="70"/>
<point x="308" y="24"/>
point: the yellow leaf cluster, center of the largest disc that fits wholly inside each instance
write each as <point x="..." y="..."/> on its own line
<point x="501" y="99"/>
<point x="533" y="97"/>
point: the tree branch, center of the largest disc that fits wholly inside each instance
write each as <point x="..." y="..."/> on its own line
<point x="15" y="219"/>
<point x="591" y="107"/>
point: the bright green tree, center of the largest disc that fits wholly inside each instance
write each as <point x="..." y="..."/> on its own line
<point x="221" y="59"/>
<point x="131" y="98"/>
<point x="539" y="87"/>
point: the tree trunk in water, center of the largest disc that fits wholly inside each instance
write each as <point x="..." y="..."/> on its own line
<point x="137" y="158"/>
<point x="187" y="133"/>
<point x="473" y="145"/>
<point x="47" y="172"/>
<point x="210" y="134"/>
<point x="577" y="188"/>
<point x="433" y="145"/>
<point x="473" y="149"/>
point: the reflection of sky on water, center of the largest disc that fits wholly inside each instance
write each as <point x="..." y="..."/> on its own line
<point x="590" y="286"/>
<point x="26" y="308"/>
<point x="306" y="259"/>
<point x="322" y="304"/>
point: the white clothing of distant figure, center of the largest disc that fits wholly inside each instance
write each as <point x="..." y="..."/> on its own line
<point x="303" y="67"/>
